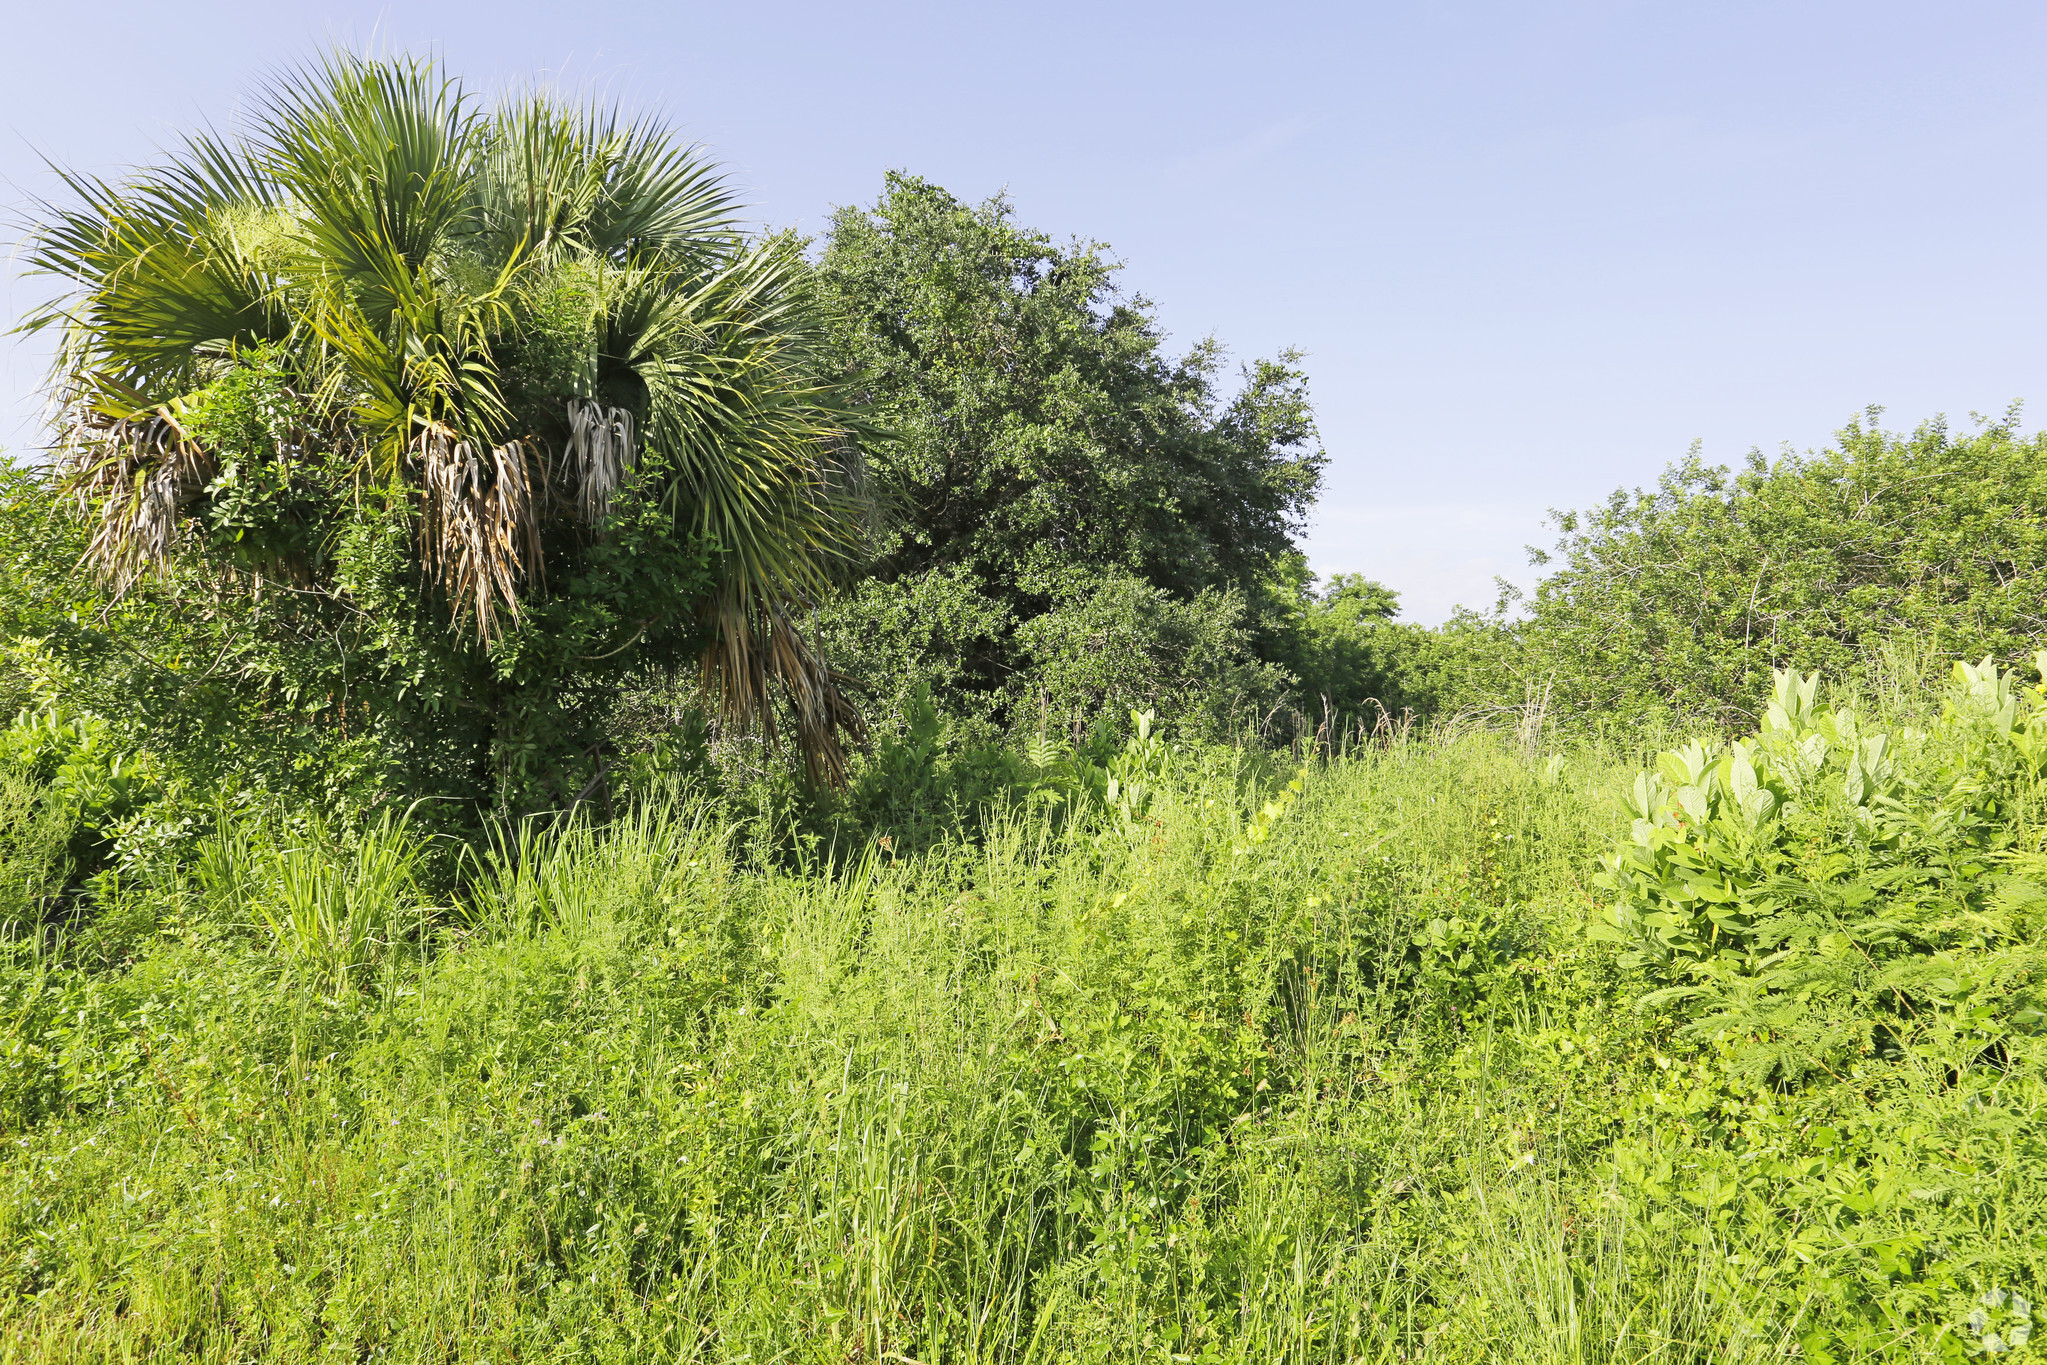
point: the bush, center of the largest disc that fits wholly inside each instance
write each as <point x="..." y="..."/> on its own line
<point x="1119" y="645"/>
<point x="1358" y="672"/>
<point x="1680" y="601"/>
<point x="1827" y="891"/>
<point x="935" y="632"/>
<point x="1104" y="647"/>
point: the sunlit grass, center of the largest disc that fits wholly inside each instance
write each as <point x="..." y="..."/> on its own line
<point x="1144" y="1089"/>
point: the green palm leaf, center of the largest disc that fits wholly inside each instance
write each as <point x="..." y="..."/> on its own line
<point x="398" y="243"/>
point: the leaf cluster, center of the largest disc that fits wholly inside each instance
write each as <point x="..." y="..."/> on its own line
<point x="1827" y="891"/>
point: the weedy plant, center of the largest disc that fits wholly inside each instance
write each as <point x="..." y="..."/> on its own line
<point x="1278" y="1060"/>
<point x="1826" y="889"/>
<point x="333" y="908"/>
<point x="34" y="832"/>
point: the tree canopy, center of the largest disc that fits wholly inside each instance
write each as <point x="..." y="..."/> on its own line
<point x="524" y="349"/>
<point x="1043" y="439"/>
<point x="1683" y="598"/>
<point x="1040" y="427"/>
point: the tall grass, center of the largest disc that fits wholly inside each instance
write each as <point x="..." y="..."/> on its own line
<point x="1139" y="1089"/>
<point x="332" y="906"/>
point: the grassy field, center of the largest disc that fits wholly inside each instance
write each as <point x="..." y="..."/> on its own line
<point x="1261" y="1060"/>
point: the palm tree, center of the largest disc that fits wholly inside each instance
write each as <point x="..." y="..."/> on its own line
<point x="499" y="312"/>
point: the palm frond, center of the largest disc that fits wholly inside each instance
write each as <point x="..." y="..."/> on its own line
<point x="600" y="455"/>
<point x="562" y="178"/>
<point x="134" y="475"/>
<point x="173" y="269"/>
<point x="662" y="199"/>
<point x="538" y="182"/>
<point x="378" y="156"/>
<point x="396" y="244"/>
<point x="750" y="433"/>
<point x="757" y="652"/>
<point x="480" y="536"/>
<point x="753" y="446"/>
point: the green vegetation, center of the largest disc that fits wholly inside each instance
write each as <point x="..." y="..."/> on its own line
<point x="1236" y="1059"/>
<point x="1057" y="488"/>
<point x="460" y="416"/>
<point x="417" y="941"/>
<point x="1858" y="561"/>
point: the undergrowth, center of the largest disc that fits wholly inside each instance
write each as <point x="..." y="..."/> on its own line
<point x="1412" y="1053"/>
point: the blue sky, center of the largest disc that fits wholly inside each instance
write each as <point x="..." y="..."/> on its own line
<point x="1533" y="251"/>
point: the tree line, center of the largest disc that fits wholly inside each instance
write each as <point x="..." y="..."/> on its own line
<point x="414" y="446"/>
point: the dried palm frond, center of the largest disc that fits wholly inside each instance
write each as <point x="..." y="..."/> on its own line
<point x="478" y="537"/>
<point x="134" y="475"/>
<point x="756" y="649"/>
<point x="599" y="456"/>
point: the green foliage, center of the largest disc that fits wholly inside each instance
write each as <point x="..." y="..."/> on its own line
<point x="1827" y="891"/>
<point x="1681" y="600"/>
<point x="349" y="692"/>
<point x="274" y="506"/>
<point x="975" y="1102"/>
<point x="1040" y="430"/>
<point x="924" y="786"/>
<point x="88" y="784"/>
<point x="1355" y="666"/>
<point x="1122" y="645"/>
<point x="332" y="910"/>
<point x="458" y="416"/>
<point x="936" y="631"/>
<point x="1107" y="647"/>
<point x="916" y="787"/>
<point x="1045" y="453"/>
<point x="34" y="834"/>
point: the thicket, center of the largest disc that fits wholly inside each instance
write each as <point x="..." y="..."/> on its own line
<point x="1202" y="1054"/>
<point x="417" y="941"/>
<point x="1864" y="561"/>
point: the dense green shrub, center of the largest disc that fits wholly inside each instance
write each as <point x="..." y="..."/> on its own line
<point x="36" y="831"/>
<point x="1123" y="645"/>
<point x="350" y="693"/>
<point x="1681" y="600"/>
<point x="936" y="631"/>
<point x="1830" y="890"/>
<point x="1102" y="649"/>
<point x="1354" y="667"/>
